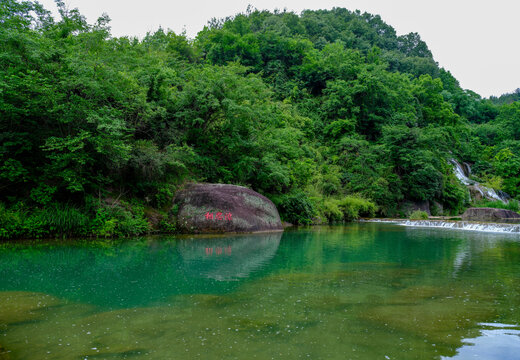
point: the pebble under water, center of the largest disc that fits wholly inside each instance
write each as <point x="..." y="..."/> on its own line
<point x="360" y="291"/>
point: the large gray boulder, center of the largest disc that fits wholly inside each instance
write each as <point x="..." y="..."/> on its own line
<point x="222" y="208"/>
<point x="489" y="214"/>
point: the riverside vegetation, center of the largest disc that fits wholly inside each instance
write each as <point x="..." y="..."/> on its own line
<point x="328" y="113"/>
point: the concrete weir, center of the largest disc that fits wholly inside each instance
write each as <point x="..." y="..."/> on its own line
<point x="457" y="225"/>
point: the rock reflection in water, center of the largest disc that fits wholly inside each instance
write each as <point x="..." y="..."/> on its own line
<point x="227" y="258"/>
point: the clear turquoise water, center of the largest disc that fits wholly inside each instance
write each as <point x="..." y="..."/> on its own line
<point x="361" y="291"/>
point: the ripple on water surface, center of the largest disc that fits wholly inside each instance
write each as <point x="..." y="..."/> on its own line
<point x="363" y="291"/>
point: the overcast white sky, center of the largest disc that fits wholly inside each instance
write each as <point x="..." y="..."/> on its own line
<point x="478" y="41"/>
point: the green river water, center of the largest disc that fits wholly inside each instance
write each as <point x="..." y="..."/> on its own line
<point x="361" y="291"/>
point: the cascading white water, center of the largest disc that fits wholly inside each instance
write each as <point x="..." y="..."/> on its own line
<point x="484" y="191"/>
<point x="459" y="173"/>
<point x="465" y="225"/>
<point x="459" y="225"/>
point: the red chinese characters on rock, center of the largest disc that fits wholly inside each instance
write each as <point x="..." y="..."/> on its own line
<point x="219" y="216"/>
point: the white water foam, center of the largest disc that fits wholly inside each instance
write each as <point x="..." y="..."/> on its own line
<point x="484" y="191"/>
<point x="458" y="225"/>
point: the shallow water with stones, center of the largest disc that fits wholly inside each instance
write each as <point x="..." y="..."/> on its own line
<point x="360" y="291"/>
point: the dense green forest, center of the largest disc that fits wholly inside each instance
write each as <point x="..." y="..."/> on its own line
<point x="506" y="98"/>
<point x="328" y="113"/>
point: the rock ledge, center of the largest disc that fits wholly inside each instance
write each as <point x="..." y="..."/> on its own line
<point x="489" y="214"/>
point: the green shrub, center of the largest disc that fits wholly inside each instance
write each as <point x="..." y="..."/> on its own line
<point x="42" y="194"/>
<point x="11" y="222"/>
<point x="354" y="207"/>
<point x="419" y="215"/>
<point x="167" y="225"/>
<point x="332" y="211"/>
<point x="435" y="210"/>
<point x="495" y="182"/>
<point x="349" y="208"/>
<point x="164" y="195"/>
<point x="295" y="208"/>
<point x="455" y="197"/>
<point x="120" y="220"/>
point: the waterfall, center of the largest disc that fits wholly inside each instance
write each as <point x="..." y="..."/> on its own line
<point x="457" y="225"/>
<point x="460" y="174"/>
<point x="463" y="171"/>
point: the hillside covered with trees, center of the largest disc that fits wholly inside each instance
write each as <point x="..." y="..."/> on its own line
<point x="328" y="113"/>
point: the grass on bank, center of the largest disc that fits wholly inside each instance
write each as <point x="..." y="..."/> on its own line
<point x="512" y="205"/>
<point x="65" y="220"/>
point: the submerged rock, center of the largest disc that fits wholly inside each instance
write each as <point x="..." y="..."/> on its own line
<point x="489" y="214"/>
<point x="222" y="208"/>
<point x="21" y="306"/>
<point x="4" y="354"/>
